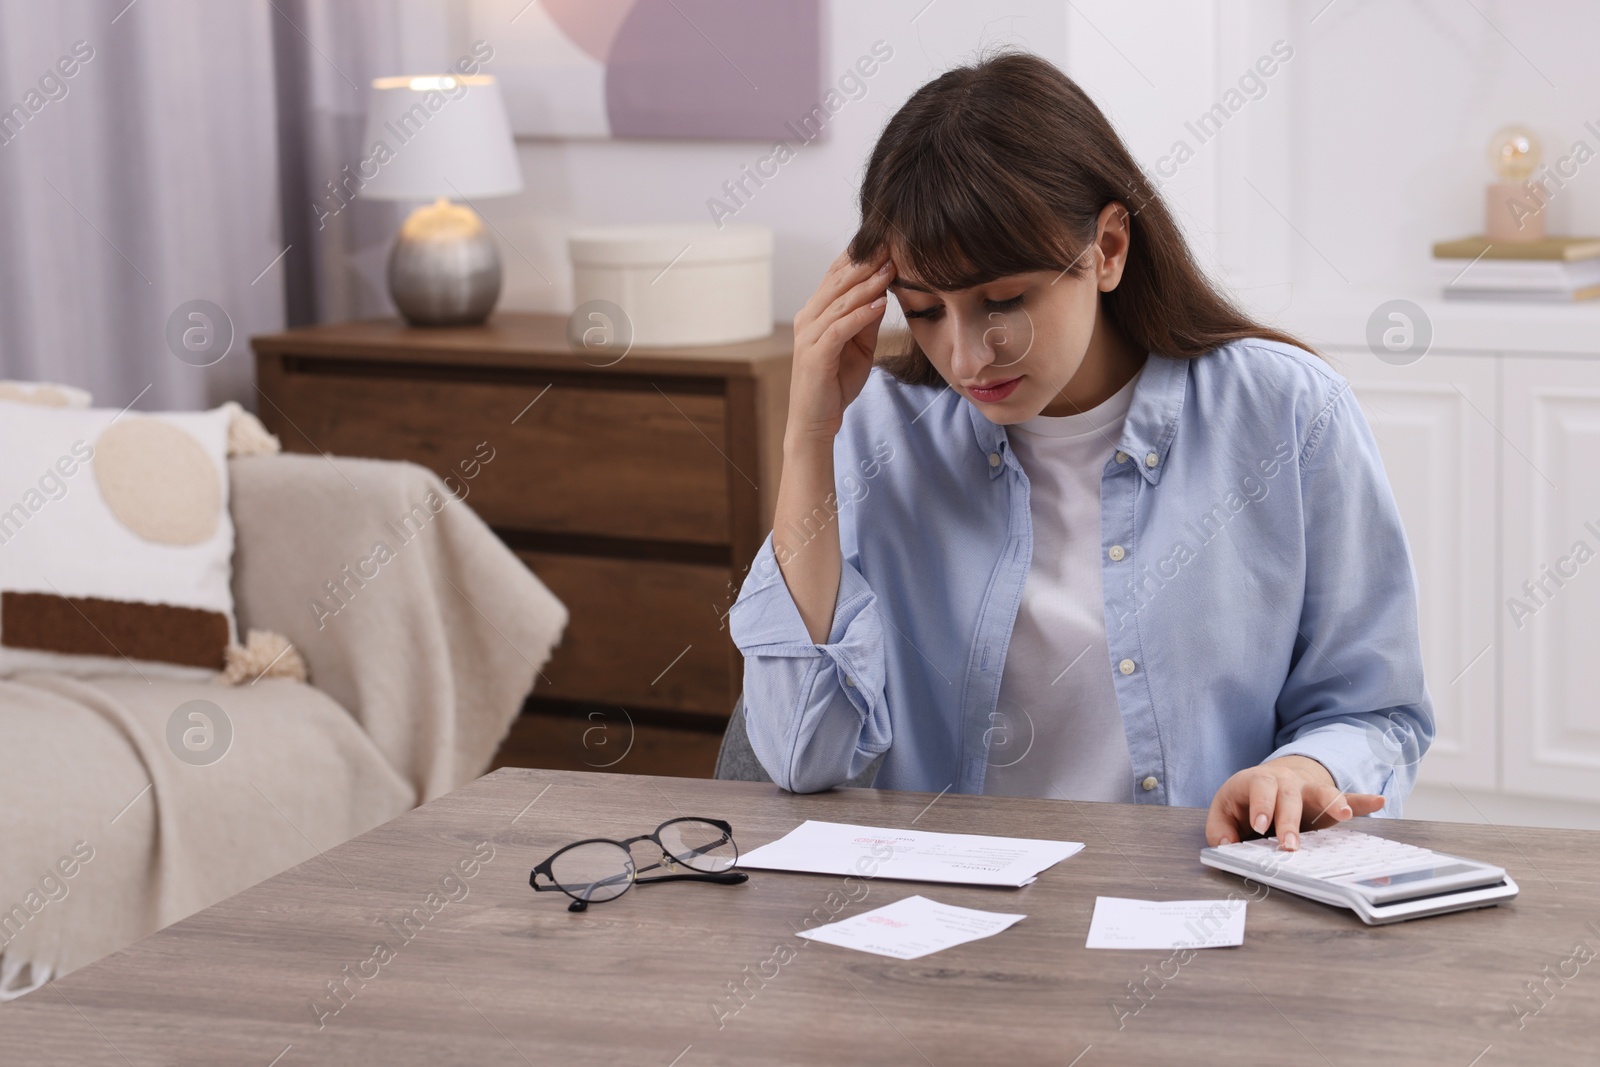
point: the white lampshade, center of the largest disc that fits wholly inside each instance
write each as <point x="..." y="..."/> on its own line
<point x="437" y="136"/>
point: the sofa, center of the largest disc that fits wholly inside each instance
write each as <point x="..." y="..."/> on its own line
<point x="132" y="801"/>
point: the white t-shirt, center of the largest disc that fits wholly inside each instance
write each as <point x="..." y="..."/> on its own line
<point x="1057" y="731"/>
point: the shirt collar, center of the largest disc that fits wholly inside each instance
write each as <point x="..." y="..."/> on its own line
<point x="1148" y="431"/>
<point x="1152" y="421"/>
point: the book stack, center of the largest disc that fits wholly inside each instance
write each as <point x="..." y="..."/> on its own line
<point x="1554" y="270"/>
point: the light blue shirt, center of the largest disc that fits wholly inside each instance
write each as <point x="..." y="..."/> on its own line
<point x="1259" y="594"/>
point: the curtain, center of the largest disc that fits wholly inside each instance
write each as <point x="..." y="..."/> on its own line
<point x="327" y="51"/>
<point x="167" y="159"/>
<point x="137" y="176"/>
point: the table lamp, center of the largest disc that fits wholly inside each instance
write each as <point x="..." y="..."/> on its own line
<point x="1514" y="212"/>
<point x="440" y="137"/>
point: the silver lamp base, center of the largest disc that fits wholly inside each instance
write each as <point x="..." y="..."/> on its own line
<point x="444" y="268"/>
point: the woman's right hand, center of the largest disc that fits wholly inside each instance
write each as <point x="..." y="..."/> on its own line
<point x="834" y="338"/>
<point x="834" y="335"/>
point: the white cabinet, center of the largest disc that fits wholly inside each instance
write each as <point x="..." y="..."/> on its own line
<point x="1433" y="423"/>
<point x="1495" y="465"/>
<point x="1549" y="607"/>
<point x="1492" y="445"/>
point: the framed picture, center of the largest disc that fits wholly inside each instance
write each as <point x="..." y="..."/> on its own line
<point x="680" y="69"/>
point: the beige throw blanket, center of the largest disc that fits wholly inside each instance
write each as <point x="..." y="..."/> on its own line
<point x="434" y="654"/>
<point x="420" y="652"/>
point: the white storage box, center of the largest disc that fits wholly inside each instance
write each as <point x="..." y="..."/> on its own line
<point x="679" y="284"/>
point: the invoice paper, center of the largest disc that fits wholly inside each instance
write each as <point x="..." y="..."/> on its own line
<point x="911" y="928"/>
<point x="912" y="855"/>
<point x="1122" y="923"/>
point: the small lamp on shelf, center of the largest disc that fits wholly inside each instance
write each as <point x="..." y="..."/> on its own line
<point x="1511" y="215"/>
<point x="440" y="138"/>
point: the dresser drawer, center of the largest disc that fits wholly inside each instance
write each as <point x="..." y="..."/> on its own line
<point x="616" y="462"/>
<point x="641" y="632"/>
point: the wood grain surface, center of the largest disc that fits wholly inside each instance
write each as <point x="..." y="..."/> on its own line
<point x="519" y="340"/>
<point x="614" y="462"/>
<point x="496" y="974"/>
<point x="604" y="739"/>
<point x="642" y="633"/>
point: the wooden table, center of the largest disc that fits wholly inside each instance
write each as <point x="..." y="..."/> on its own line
<point x="502" y="975"/>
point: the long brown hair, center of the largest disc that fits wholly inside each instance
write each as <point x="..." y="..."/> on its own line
<point x="1003" y="167"/>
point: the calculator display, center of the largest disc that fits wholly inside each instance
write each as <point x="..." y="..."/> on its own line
<point x="1416" y="876"/>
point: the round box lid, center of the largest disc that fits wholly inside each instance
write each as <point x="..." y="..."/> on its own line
<point x="657" y="244"/>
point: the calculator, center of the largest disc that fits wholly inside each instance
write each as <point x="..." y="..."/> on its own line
<point x="1382" y="881"/>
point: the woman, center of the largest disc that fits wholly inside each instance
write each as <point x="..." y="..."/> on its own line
<point x="1097" y="535"/>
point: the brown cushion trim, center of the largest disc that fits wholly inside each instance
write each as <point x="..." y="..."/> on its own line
<point x="90" y="626"/>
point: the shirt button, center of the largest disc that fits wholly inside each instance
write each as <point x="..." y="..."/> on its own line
<point x="851" y="682"/>
<point x="1127" y="666"/>
<point x="994" y="459"/>
<point x="1116" y="553"/>
<point x="1151" y="460"/>
<point x="1149" y="783"/>
<point x="1122" y="457"/>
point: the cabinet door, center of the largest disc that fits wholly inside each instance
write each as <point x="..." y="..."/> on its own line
<point x="1550" y="589"/>
<point x="1432" y="420"/>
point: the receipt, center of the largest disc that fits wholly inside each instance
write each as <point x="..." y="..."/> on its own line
<point x="913" y="855"/>
<point x="912" y="928"/>
<point x="1123" y="923"/>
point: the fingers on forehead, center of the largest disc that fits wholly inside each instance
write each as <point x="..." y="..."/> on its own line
<point x="844" y="262"/>
<point x="877" y="255"/>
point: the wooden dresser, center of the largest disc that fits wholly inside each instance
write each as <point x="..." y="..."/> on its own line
<point x="638" y="490"/>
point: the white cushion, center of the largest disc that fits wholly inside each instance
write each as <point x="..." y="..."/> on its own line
<point x="130" y="509"/>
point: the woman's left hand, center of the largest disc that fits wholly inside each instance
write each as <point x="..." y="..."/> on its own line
<point x="1284" y="794"/>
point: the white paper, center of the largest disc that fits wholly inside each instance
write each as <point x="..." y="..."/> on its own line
<point x="911" y="928"/>
<point x="1123" y="923"/>
<point x="912" y="855"/>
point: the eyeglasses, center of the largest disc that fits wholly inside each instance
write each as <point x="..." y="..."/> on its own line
<point x="600" y="869"/>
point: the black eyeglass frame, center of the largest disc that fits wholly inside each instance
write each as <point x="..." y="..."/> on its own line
<point x="728" y="877"/>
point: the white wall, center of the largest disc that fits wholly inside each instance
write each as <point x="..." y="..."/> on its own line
<point x="1151" y="66"/>
<point x="809" y="203"/>
<point x="1362" y="149"/>
<point x="1394" y="107"/>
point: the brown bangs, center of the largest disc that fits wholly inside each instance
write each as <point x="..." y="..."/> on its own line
<point x="950" y="224"/>
<point x="1003" y="167"/>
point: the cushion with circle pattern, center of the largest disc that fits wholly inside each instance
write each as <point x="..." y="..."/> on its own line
<point x="116" y="545"/>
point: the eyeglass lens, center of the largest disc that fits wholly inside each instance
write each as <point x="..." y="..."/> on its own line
<point x="699" y="846"/>
<point x="595" y="871"/>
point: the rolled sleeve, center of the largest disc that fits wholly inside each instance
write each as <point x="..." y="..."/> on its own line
<point x="1355" y="699"/>
<point x="815" y="713"/>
